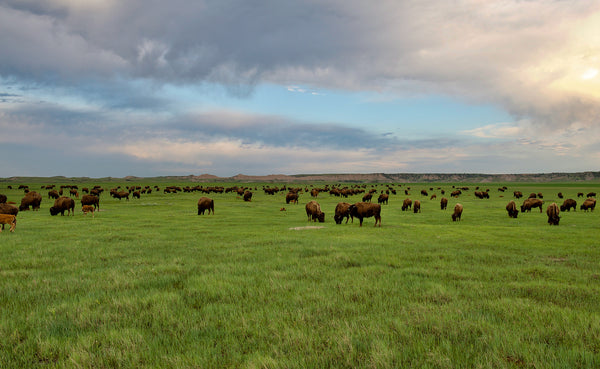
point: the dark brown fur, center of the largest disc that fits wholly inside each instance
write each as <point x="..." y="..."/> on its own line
<point x="313" y="211"/>
<point x="458" y="209"/>
<point x="362" y="210"/>
<point x="205" y="203"/>
<point x="61" y="204"/>
<point x="552" y="211"/>
<point x="342" y="210"/>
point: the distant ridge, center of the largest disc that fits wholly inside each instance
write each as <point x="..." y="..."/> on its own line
<point x="344" y="177"/>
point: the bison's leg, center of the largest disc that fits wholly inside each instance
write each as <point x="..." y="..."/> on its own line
<point x="377" y="219"/>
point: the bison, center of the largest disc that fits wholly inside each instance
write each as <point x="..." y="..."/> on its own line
<point x="87" y="209"/>
<point x="342" y="210"/>
<point x="511" y="208"/>
<point x="53" y="194"/>
<point x="552" y="212"/>
<point x="407" y="204"/>
<point x="417" y="206"/>
<point x="443" y="203"/>
<point x="591" y="194"/>
<point x="32" y="199"/>
<point x="367" y="197"/>
<point x="588" y="204"/>
<point x="313" y="211"/>
<point x="8" y="219"/>
<point x="3" y="198"/>
<point x="205" y="203"/>
<point x="458" y="209"/>
<point x="61" y="204"/>
<point x="247" y="196"/>
<point x="568" y="204"/>
<point x="291" y="197"/>
<point x="90" y="200"/>
<point x="383" y="198"/>
<point x="531" y="203"/>
<point x="362" y="210"/>
<point x="517" y="194"/>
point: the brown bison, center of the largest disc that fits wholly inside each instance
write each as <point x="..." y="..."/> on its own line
<point x="362" y="210"/>
<point x="61" y="204"/>
<point x="511" y="208"/>
<point x="8" y="219"/>
<point x="32" y="199"/>
<point x="247" y="196"/>
<point x="342" y="210"/>
<point x="531" y="203"/>
<point x="313" y="211"/>
<point x="291" y="197"/>
<point x="579" y="194"/>
<point x="90" y="200"/>
<point x="407" y="204"/>
<point x="417" y="206"/>
<point x="588" y="204"/>
<point x="591" y="194"/>
<point x="560" y="195"/>
<point x="443" y="203"/>
<point x="3" y="198"/>
<point x="517" y="194"/>
<point x="383" y="198"/>
<point x="568" y="204"/>
<point x="53" y="194"/>
<point x="87" y="209"/>
<point x="205" y="203"/>
<point x="552" y="212"/>
<point x="367" y="197"/>
<point x="458" y="209"/>
<point x="8" y="209"/>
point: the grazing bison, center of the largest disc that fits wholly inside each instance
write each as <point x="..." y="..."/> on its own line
<point x="560" y="195"/>
<point x="568" y="204"/>
<point x="313" y="211"/>
<point x="362" y="210"/>
<point x="247" y="196"/>
<point x="61" y="204"/>
<point x="8" y="219"/>
<point x="517" y="194"/>
<point x="32" y="199"/>
<point x="204" y="203"/>
<point x="417" y="206"/>
<point x="342" y="210"/>
<point x="458" y="209"/>
<point x="511" y="208"/>
<point x="407" y="204"/>
<point x="3" y="198"/>
<point x="588" y="204"/>
<point x="552" y="212"/>
<point x="532" y="195"/>
<point x="383" y="198"/>
<point x="443" y="203"/>
<point x="90" y="200"/>
<point x="291" y="197"/>
<point x="87" y="209"/>
<point x="579" y="194"/>
<point x="591" y="194"/>
<point x="367" y="197"/>
<point x="53" y="194"/>
<point x="424" y="193"/>
<point x="531" y="203"/>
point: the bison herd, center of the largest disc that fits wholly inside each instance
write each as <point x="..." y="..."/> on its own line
<point x="90" y="201"/>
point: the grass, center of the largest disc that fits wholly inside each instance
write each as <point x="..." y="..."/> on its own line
<point x="150" y="284"/>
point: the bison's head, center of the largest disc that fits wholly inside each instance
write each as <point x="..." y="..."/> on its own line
<point x="321" y="217"/>
<point x="53" y="211"/>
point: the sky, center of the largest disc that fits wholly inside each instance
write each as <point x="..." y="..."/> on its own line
<point x="117" y="88"/>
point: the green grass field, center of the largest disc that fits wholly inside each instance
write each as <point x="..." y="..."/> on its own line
<point x="150" y="284"/>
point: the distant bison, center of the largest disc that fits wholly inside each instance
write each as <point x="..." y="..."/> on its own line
<point x="383" y="198"/>
<point x="591" y="194"/>
<point x="247" y="196"/>
<point x="568" y="204"/>
<point x="588" y="204"/>
<point x="407" y="204"/>
<point x="367" y="197"/>
<point x="313" y="211"/>
<point x="531" y="203"/>
<point x="560" y="195"/>
<point x="204" y="203"/>
<point x="291" y="197"/>
<point x="63" y="204"/>
<point x="443" y="203"/>
<point x="342" y="210"/>
<point x="32" y="199"/>
<point x="53" y="194"/>
<point x="458" y="209"/>
<point x="362" y="210"/>
<point x="417" y="206"/>
<point x="552" y="212"/>
<point x="511" y="208"/>
<point x="90" y="200"/>
<point x="3" y="198"/>
<point x="8" y="219"/>
<point x="517" y="194"/>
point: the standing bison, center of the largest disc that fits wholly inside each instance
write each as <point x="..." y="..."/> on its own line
<point x="32" y="199"/>
<point x="63" y="204"/>
<point x="91" y="200"/>
<point x="206" y="204"/>
<point x="383" y="198"/>
<point x="458" y="209"/>
<point x="313" y="211"/>
<point x="247" y="196"/>
<point x="588" y="204"/>
<point x="444" y="203"/>
<point x="552" y="211"/>
<point x="568" y="204"/>
<point x="362" y="210"/>
<point x="531" y="203"/>
<point x="407" y="204"/>
<point x="417" y="206"/>
<point x="291" y="197"/>
<point x="511" y="208"/>
<point x="342" y="210"/>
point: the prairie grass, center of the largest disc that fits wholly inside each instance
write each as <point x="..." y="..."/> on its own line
<point x="147" y="283"/>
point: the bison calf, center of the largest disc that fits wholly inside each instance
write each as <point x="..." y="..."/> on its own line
<point x="87" y="209"/>
<point x="8" y="219"/>
<point x="362" y="210"/>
